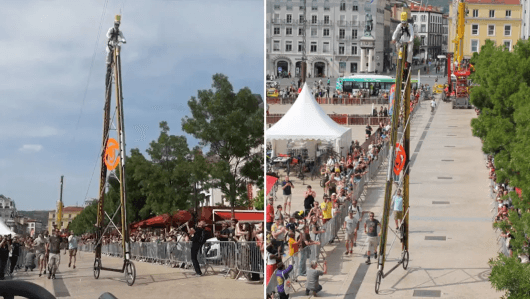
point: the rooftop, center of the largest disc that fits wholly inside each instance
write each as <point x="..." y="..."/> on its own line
<point x="499" y="2"/>
<point x="72" y="209"/>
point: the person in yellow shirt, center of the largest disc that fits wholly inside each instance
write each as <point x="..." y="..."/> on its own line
<point x="326" y="207"/>
<point x="293" y="248"/>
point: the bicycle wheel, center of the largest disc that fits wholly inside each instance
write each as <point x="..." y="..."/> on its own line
<point x="378" y="279"/>
<point x="97" y="268"/>
<point x="405" y="259"/>
<point x="130" y="273"/>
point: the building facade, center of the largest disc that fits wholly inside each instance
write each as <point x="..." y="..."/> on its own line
<point x="525" y="30"/>
<point x="333" y="32"/>
<point x="428" y="27"/>
<point x="8" y="212"/>
<point x="500" y="22"/>
<point x="445" y="34"/>
<point x="33" y="227"/>
<point x="69" y="213"/>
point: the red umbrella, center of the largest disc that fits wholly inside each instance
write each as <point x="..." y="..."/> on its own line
<point x="271" y="180"/>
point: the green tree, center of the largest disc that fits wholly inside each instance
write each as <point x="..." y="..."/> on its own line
<point x="231" y="124"/>
<point x="259" y="200"/>
<point x="503" y="96"/>
<point x="417" y="45"/>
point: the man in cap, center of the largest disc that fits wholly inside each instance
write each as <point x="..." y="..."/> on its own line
<point x="404" y="33"/>
<point x="115" y="36"/>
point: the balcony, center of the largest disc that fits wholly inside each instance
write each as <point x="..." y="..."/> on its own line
<point x="342" y="23"/>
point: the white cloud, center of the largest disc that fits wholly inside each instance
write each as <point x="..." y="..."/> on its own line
<point x="30" y="148"/>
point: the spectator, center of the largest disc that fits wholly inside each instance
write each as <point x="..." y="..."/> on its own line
<point x="287" y="194"/>
<point x="313" y="275"/>
<point x="305" y="241"/>
<point x="293" y="248"/>
<point x="326" y="207"/>
<point x="272" y="257"/>
<point x="278" y="234"/>
<point x="309" y="199"/>
<point x="270" y="214"/>
<point x="282" y="274"/>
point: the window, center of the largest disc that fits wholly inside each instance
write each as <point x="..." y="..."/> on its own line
<point x="414" y="18"/>
<point x="492" y="13"/>
<point x="423" y="40"/>
<point x="326" y="20"/>
<point x="300" y="46"/>
<point x="289" y="19"/>
<point x="276" y="30"/>
<point x="301" y="19"/>
<point x="423" y="18"/>
<point x="507" y="30"/>
<point x="491" y="30"/>
<point x="276" y="6"/>
<point x="342" y="67"/>
<point x="288" y="46"/>
<point x="276" y="18"/>
<point x="289" y="31"/>
<point x="325" y="48"/>
<point x="474" y="45"/>
<point x="325" y="32"/>
<point x="314" y="7"/>
<point x="508" y="13"/>
<point x="508" y="45"/>
<point x="423" y="28"/>
<point x="354" y="33"/>
<point x="475" y="13"/>
<point x="343" y="6"/>
<point x="342" y="33"/>
<point x="314" y="19"/>
<point x="326" y="7"/>
<point x="474" y="29"/>
<point x="353" y="67"/>
<point x="341" y="49"/>
<point x="300" y="31"/>
<point x="289" y="5"/>
<point x="355" y="8"/>
<point x="276" y="47"/>
<point x="314" y="32"/>
<point x="353" y="49"/>
<point x="313" y="47"/>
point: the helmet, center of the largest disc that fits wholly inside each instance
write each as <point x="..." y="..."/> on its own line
<point x="404" y="17"/>
<point x="117" y="19"/>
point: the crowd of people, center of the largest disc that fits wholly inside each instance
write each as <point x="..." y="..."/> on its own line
<point x="42" y="252"/>
<point x="289" y="234"/>
<point x="504" y="205"/>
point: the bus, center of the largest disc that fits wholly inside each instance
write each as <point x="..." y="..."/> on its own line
<point x="379" y="83"/>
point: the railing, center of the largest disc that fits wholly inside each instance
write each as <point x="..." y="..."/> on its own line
<point x="342" y="119"/>
<point x="244" y="257"/>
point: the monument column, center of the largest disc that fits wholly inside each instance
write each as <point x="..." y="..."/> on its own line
<point x="370" y="60"/>
<point x="363" y="61"/>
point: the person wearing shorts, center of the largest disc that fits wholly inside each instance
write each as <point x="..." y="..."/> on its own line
<point x="72" y="248"/>
<point x="55" y="253"/>
<point x="287" y="194"/>
<point x="350" y="224"/>
<point x="397" y="206"/>
<point x="372" y="239"/>
<point x="39" y="244"/>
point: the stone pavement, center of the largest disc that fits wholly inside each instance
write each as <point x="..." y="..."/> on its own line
<point x="152" y="281"/>
<point x="449" y="199"/>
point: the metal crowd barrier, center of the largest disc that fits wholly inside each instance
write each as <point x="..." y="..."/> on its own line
<point x="244" y="257"/>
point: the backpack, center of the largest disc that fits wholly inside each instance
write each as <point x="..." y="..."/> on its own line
<point x="405" y="29"/>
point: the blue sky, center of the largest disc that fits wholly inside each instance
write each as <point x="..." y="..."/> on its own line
<point x="48" y="127"/>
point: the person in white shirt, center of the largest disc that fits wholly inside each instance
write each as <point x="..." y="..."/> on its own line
<point x="397" y="207"/>
<point x="433" y="105"/>
<point x="72" y="248"/>
<point x="115" y="37"/>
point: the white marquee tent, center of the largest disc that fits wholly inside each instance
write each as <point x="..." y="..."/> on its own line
<point x="4" y="230"/>
<point x="307" y="121"/>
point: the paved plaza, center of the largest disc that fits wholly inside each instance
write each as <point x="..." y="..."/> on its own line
<point x="152" y="281"/>
<point x="449" y="202"/>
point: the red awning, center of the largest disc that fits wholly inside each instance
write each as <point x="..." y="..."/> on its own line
<point x="161" y="220"/>
<point x="240" y="216"/>
<point x="182" y="216"/>
<point x="271" y="180"/>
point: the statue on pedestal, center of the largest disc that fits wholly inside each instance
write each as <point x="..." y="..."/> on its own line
<point x="369" y="25"/>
